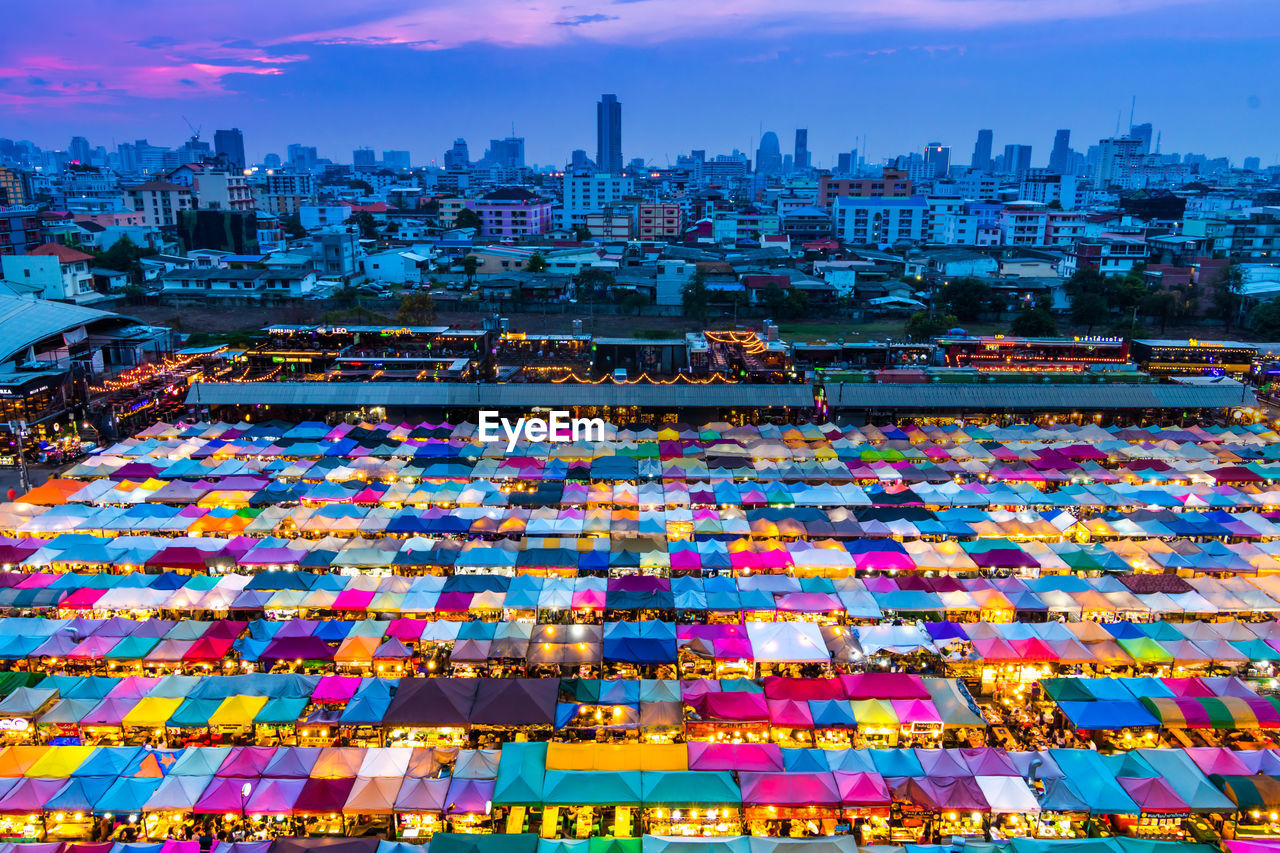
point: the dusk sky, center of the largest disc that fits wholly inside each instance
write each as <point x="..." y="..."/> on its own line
<point x="413" y="75"/>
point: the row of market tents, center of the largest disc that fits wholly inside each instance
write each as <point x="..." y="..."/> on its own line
<point x="1149" y="513"/>
<point x="756" y="597"/>
<point x="167" y="643"/>
<point x="443" y="842"/>
<point x="979" y="487"/>
<point x="276" y="699"/>
<point x="357" y="781"/>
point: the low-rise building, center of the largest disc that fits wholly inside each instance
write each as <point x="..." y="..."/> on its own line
<point x="159" y="202"/>
<point x="60" y="272"/>
<point x="236" y="286"/>
<point x="880" y="220"/>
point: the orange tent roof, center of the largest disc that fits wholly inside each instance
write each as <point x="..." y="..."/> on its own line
<point x="52" y="493"/>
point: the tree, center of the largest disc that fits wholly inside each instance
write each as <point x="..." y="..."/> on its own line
<point x="1159" y="305"/>
<point x="695" y="298"/>
<point x="922" y="326"/>
<point x="966" y="298"/>
<point x="594" y="281"/>
<point x="364" y="221"/>
<point x="1034" y="323"/>
<point x="1088" y="309"/>
<point x="467" y="218"/>
<point x="634" y="300"/>
<point x="1228" y="295"/>
<point x="469" y="266"/>
<point x="537" y="263"/>
<point x="797" y="303"/>
<point x="363" y="186"/>
<point x="1265" y="320"/>
<point x="997" y="304"/>
<point x="292" y="225"/>
<point x="581" y="233"/>
<point x="774" y="300"/>
<point x="416" y="309"/>
<point x="125" y="256"/>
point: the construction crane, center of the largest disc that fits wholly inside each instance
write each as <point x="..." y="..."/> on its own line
<point x="195" y="131"/>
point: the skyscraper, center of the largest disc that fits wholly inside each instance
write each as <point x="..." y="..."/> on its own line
<point x="395" y="159"/>
<point x="508" y="153"/>
<point x="844" y="163"/>
<point x="1143" y="132"/>
<point x="937" y="159"/>
<point x="609" y="134"/>
<point x="1017" y="159"/>
<point x="769" y="155"/>
<point x="982" y="151"/>
<point x="457" y="157"/>
<point x="1060" y="156"/>
<point x="800" y="161"/>
<point x="301" y="157"/>
<point x="79" y="149"/>
<point x="364" y="158"/>
<point x="229" y="145"/>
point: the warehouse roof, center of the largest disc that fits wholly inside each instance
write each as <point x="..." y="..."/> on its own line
<point x="513" y="395"/>
<point x="1038" y="397"/>
<point x="26" y="321"/>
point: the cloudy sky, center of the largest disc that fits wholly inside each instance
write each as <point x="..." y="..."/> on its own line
<point x="414" y="74"/>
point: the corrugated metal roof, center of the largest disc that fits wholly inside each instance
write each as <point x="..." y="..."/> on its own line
<point x="1034" y="397"/>
<point x="25" y="321"/>
<point x="512" y="395"/>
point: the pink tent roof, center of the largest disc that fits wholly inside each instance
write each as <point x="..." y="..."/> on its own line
<point x="788" y="789"/>
<point x="223" y="795"/>
<point x="1153" y="795"/>
<point x="884" y="685"/>
<point x="736" y="706"/>
<point x="915" y="710"/>
<point x="861" y="789"/>
<point x="734" y="756"/>
<point x="336" y="688"/>
<point x="29" y="796"/>
<point x="469" y="796"/>
<point x="422" y="795"/>
<point x="247" y="762"/>
<point x="274" y="796"/>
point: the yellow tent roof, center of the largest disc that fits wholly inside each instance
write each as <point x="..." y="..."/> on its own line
<point x="60" y="762"/>
<point x="16" y="760"/>
<point x="151" y="712"/>
<point x="237" y="711"/>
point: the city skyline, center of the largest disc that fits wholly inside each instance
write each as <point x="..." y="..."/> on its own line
<point x="543" y="70"/>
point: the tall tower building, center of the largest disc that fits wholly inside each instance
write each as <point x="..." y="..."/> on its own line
<point x="609" y="134"/>
<point x="1142" y="132"/>
<point x="1060" y="156"/>
<point x="937" y="159"/>
<point x="800" y="159"/>
<point x="982" y="151"/>
<point x="79" y="149"/>
<point x="229" y="145"/>
<point x="769" y="155"/>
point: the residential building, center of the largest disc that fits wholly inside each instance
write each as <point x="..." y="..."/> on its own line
<point x="336" y="252"/>
<point x="1024" y="224"/>
<point x="159" y="202"/>
<point x="1064" y="228"/>
<point x="14" y="189"/>
<point x="658" y="221"/>
<point x="313" y="216"/>
<point x="396" y="266"/>
<point x="586" y="194"/>
<point x="19" y="229"/>
<point x="880" y="220"/>
<point x="396" y="161"/>
<point x="611" y="224"/>
<point x="1119" y="159"/>
<point x="513" y="212"/>
<point x="1108" y="256"/>
<point x="457" y="157"/>
<point x="236" y="286"/>
<point x="1047" y="187"/>
<point x="234" y="231"/>
<point x="892" y="183"/>
<point x="59" y="272"/>
<point x="219" y="189"/>
<point x="283" y="193"/>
